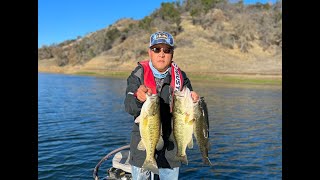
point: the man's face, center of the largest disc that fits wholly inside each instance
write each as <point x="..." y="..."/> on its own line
<point x="161" y="60"/>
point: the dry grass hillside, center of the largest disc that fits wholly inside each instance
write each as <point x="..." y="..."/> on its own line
<point x="196" y="51"/>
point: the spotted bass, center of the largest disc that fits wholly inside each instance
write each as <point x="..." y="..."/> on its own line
<point x="150" y="131"/>
<point x="201" y="129"/>
<point x="183" y="120"/>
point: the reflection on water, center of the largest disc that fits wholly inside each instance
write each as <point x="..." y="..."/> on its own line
<point x="81" y="119"/>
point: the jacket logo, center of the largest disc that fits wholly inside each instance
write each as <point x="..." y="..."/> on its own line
<point x="177" y="77"/>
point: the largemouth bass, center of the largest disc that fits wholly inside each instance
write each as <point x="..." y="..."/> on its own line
<point x="150" y="131"/>
<point x="183" y="120"/>
<point x="201" y="129"/>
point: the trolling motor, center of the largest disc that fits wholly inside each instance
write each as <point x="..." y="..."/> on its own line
<point x="115" y="173"/>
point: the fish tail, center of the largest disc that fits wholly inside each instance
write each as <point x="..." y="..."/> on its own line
<point x="206" y="161"/>
<point x="151" y="165"/>
<point x="184" y="159"/>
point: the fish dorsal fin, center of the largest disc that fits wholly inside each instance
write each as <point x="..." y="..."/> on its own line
<point x="160" y="144"/>
<point x="141" y="146"/>
<point x="205" y="133"/>
<point x="137" y="120"/>
<point x="171" y="137"/>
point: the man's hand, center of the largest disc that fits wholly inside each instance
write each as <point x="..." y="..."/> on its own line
<point x="141" y="93"/>
<point x="194" y="96"/>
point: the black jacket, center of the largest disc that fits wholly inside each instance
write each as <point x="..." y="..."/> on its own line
<point x="164" y="157"/>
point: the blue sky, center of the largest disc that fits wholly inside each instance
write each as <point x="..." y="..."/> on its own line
<point x="60" y="20"/>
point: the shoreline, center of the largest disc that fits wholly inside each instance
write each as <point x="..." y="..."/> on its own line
<point x="233" y="78"/>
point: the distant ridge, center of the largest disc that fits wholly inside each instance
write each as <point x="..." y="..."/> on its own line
<point x="215" y="37"/>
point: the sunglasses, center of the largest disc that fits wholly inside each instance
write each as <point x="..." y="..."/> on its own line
<point x="165" y="50"/>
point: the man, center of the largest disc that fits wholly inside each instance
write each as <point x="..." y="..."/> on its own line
<point x="161" y="76"/>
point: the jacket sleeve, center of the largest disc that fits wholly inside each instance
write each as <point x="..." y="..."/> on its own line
<point x="131" y="103"/>
<point x="186" y="81"/>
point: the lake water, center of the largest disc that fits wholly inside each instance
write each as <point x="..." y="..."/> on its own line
<point x="82" y="118"/>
